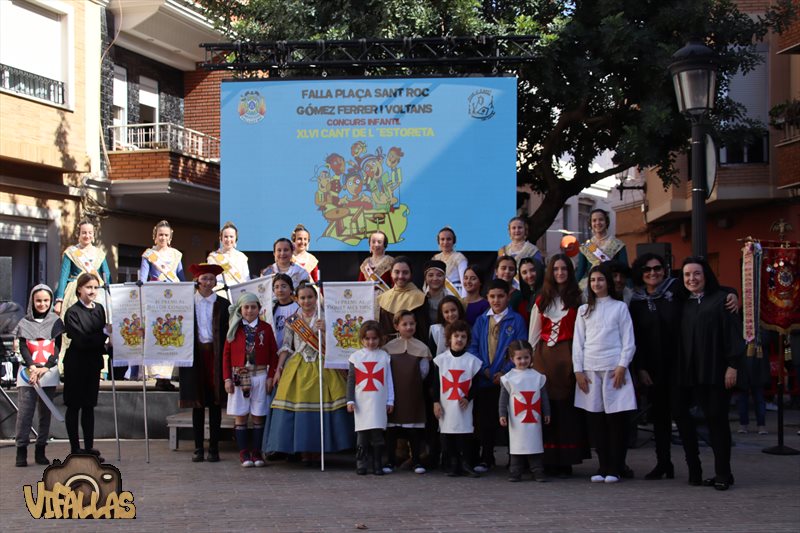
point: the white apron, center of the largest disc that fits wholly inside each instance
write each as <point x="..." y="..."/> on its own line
<point x="41" y="350"/>
<point x="371" y="388"/>
<point x="524" y="411"/>
<point x="455" y="378"/>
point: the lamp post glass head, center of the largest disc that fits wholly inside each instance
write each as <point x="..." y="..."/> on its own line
<point x="694" y="75"/>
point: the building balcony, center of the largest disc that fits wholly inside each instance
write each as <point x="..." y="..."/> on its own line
<point x="164" y="168"/>
<point x="789" y="40"/>
<point x="33" y="85"/>
<point x="787" y="156"/>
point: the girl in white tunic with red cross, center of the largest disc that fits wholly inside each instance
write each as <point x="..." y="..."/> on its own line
<point x="602" y="350"/>
<point x="523" y="408"/>
<point x="370" y="395"/>
<point x="452" y="389"/>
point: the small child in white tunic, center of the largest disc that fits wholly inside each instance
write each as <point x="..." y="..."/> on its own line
<point x="452" y="389"/>
<point x="370" y="395"/>
<point x="602" y="350"/>
<point x="523" y="387"/>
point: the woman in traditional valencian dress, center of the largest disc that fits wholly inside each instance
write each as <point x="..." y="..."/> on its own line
<point x="233" y="262"/>
<point x="600" y="248"/>
<point x="161" y="262"/>
<point x="520" y="246"/>
<point x="302" y="257"/>
<point x="282" y="251"/>
<point x="77" y="259"/>
<point x="551" y="332"/>
<point x="456" y="262"/>
<point x="294" y="422"/>
<point x="378" y="266"/>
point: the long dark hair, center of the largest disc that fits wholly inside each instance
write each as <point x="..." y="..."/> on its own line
<point x="571" y="293"/>
<point x="527" y="290"/>
<point x="591" y="300"/>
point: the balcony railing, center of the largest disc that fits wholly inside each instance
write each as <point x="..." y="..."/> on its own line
<point x="791" y="132"/>
<point x="30" y="84"/>
<point x="165" y="136"/>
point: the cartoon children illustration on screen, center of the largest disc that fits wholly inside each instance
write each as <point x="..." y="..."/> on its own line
<point x="362" y="198"/>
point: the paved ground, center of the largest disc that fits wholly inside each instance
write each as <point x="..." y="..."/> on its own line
<point x="171" y="493"/>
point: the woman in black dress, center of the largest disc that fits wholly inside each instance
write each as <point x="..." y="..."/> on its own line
<point x="85" y="323"/>
<point x="655" y="310"/>
<point x="711" y="353"/>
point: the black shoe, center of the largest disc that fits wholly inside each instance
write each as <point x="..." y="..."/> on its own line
<point x="362" y="471"/>
<point x="718" y="483"/>
<point x="468" y="470"/>
<point x="539" y="475"/>
<point x="627" y="472"/>
<point x="666" y="470"/>
<point x="213" y="455"/>
<point x="514" y="478"/>
<point x="724" y="485"/>
<point x="22" y="456"/>
<point x="39" y="456"/>
<point x="277" y="456"/>
<point x="165" y="385"/>
<point x="197" y="456"/>
<point x="96" y="453"/>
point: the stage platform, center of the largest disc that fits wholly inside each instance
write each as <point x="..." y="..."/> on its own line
<point x="160" y="405"/>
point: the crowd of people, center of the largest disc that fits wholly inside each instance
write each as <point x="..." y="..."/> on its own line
<point x="545" y="356"/>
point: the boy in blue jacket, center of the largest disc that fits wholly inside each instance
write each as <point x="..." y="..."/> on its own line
<point x="492" y="333"/>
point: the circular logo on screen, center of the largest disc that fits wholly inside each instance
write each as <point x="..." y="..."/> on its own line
<point x="252" y="107"/>
<point x="481" y="104"/>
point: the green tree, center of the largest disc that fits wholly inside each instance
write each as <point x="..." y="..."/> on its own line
<point x="599" y="81"/>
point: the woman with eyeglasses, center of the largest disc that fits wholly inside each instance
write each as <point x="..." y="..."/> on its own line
<point x="655" y="308"/>
<point x="655" y="311"/>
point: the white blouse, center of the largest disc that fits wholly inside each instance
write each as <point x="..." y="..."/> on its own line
<point x="603" y="340"/>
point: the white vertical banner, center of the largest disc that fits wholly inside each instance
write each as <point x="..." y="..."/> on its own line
<point x="127" y="331"/>
<point x="169" y="323"/>
<point x="347" y="306"/>
<point x="262" y="288"/>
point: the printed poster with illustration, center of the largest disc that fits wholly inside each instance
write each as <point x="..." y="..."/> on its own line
<point x="351" y="157"/>
<point x="127" y="330"/>
<point x="347" y="306"/>
<point x="262" y="288"/>
<point x="168" y="323"/>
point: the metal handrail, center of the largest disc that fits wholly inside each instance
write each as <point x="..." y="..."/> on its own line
<point x="164" y="135"/>
<point x="30" y="84"/>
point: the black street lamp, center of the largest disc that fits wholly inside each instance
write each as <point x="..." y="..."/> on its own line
<point x="694" y="75"/>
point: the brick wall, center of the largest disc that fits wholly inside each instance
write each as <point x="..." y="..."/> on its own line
<point x="791" y="37"/>
<point x="161" y="164"/>
<point x="743" y="174"/>
<point x="753" y="6"/>
<point x="201" y="100"/>
<point x="788" y="162"/>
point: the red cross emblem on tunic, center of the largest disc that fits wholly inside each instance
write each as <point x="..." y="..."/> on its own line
<point x="455" y="385"/>
<point x="41" y="350"/>
<point x="529" y="407"/>
<point x="370" y="376"/>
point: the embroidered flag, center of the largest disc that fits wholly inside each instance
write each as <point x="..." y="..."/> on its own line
<point x="780" y="289"/>
<point x="347" y="306"/>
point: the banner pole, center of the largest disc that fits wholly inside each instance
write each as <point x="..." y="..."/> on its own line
<point x="144" y="384"/>
<point x="319" y="363"/>
<point x="111" y="371"/>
